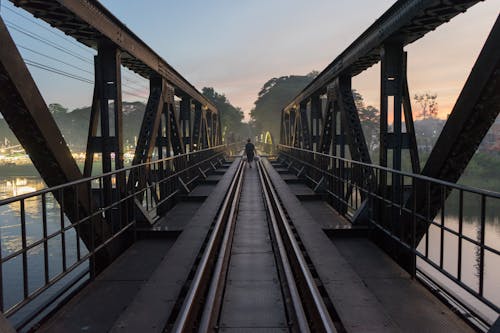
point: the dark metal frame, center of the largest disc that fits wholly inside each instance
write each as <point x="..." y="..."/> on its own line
<point x="409" y="20"/>
<point x="476" y="109"/>
<point x="30" y="120"/>
<point x="474" y="113"/>
<point x="89" y="22"/>
<point x="317" y="168"/>
<point x="186" y="167"/>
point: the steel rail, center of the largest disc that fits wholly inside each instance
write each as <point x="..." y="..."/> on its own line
<point x="188" y="312"/>
<point x="300" y="315"/>
<point x="303" y="272"/>
<point x="214" y="298"/>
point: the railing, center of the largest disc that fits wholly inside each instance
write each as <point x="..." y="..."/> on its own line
<point x="52" y="250"/>
<point x="438" y="257"/>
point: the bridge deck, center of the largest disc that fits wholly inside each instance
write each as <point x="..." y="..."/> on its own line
<point x="367" y="289"/>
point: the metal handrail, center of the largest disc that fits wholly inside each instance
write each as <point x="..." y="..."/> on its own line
<point x="340" y="179"/>
<point x="73" y="254"/>
<point x="107" y="174"/>
<point x="467" y="188"/>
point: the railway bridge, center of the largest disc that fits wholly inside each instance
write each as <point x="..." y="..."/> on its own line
<point x="315" y="237"/>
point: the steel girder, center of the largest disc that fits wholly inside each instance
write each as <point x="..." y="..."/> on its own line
<point x="197" y="126"/>
<point x="341" y="123"/>
<point x="410" y="19"/>
<point x="107" y="89"/>
<point x="168" y="139"/>
<point x="316" y="116"/>
<point x="410" y="127"/>
<point x="185" y="122"/>
<point x="395" y="101"/>
<point x="351" y="123"/>
<point x="305" y="133"/>
<point x="205" y="130"/>
<point x="26" y="113"/>
<point x="89" y="22"/>
<point x="329" y="130"/>
<point x="151" y="121"/>
<point x="476" y="109"/>
<point x="282" y="128"/>
<point x="149" y="132"/>
<point x="175" y="131"/>
<point x="342" y="128"/>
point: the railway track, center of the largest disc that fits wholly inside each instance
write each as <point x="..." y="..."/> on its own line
<point x="253" y="273"/>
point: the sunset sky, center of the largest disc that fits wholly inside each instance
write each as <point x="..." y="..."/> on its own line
<point x="236" y="46"/>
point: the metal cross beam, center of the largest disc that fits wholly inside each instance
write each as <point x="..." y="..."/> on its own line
<point x="476" y="109"/>
<point x="89" y="22"/>
<point x="410" y="20"/>
<point x="26" y="113"/>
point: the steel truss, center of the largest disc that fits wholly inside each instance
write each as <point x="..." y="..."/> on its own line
<point x="165" y="126"/>
<point x="384" y="41"/>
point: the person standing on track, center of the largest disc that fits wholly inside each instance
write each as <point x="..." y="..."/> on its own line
<point x="249" y="150"/>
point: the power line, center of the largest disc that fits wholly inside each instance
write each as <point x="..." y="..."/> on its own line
<point x="72" y="76"/>
<point x="49" y="30"/>
<point x="45" y="41"/>
<point x="53" y="58"/>
<point x="57" y="71"/>
<point x="137" y="85"/>
<point x="60" y="48"/>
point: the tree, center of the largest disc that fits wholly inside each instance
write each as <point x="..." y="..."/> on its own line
<point x="231" y="116"/>
<point x="428" y="105"/>
<point x="273" y="97"/>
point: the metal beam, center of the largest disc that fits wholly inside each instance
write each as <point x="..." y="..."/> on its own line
<point x="175" y="131"/>
<point x="196" y="138"/>
<point x="316" y="121"/>
<point x="410" y="127"/>
<point x="410" y="19"/>
<point x="185" y="122"/>
<point x="304" y="127"/>
<point x="89" y="21"/>
<point x="352" y="125"/>
<point x="26" y="113"/>
<point x="150" y="122"/>
<point x="106" y="110"/>
<point x="476" y="109"/>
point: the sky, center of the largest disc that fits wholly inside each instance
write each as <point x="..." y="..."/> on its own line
<point x="236" y="46"/>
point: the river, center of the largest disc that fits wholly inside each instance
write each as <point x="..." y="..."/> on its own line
<point x="11" y="241"/>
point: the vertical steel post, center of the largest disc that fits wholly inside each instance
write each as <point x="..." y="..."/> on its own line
<point x="196" y="138"/>
<point x="316" y="119"/>
<point x="293" y="125"/>
<point x="391" y="90"/>
<point x="185" y="118"/>
<point x="107" y="111"/>
<point x="305" y="134"/>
